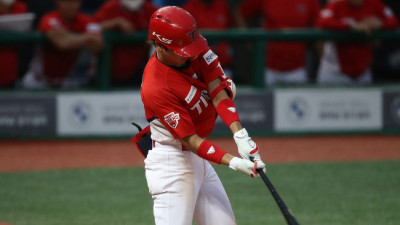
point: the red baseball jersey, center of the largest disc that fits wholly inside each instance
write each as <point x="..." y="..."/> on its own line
<point x="284" y="14"/>
<point x="56" y="63"/>
<point x="176" y="100"/>
<point x="9" y="55"/>
<point x="213" y="16"/>
<point x="126" y="58"/>
<point x="354" y="58"/>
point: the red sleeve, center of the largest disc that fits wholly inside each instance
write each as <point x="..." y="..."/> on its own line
<point x="19" y="7"/>
<point x="91" y="27"/>
<point x="188" y="6"/>
<point x="328" y="19"/>
<point x="102" y="13"/>
<point x="172" y="113"/>
<point x="228" y="15"/>
<point x="210" y="66"/>
<point x="250" y="8"/>
<point x="314" y="12"/>
<point x="48" y="23"/>
<point x="387" y="16"/>
<point x="152" y="7"/>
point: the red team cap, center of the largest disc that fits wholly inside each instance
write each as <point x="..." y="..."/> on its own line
<point x="176" y="29"/>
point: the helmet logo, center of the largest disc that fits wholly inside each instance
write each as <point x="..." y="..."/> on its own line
<point x="191" y="34"/>
<point x="164" y="40"/>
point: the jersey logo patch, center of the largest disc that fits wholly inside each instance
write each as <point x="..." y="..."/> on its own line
<point x="172" y="119"/>
<point x="232" y="109"/>
<point x="211" y="150"/>
<point x="210" y="56"/>
<point x="191" y="95"/>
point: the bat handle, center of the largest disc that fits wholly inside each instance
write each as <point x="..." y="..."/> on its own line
<point x="290" y="219"/>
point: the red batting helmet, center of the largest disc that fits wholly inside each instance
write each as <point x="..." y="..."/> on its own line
<point x="176" y="29"/>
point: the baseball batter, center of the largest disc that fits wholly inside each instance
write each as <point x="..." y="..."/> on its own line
<point x="184" y="89"/>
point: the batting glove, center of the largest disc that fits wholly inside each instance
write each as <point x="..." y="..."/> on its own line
<point x="247" y="148"/>
<point x="246" y="166"/>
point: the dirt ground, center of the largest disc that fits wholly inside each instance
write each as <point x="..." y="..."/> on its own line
<point x="65" y="154"/>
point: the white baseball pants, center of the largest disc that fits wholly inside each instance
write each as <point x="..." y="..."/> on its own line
<point x="185" y="187"/>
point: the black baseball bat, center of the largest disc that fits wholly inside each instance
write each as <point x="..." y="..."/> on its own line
<point x="290" y="219"/>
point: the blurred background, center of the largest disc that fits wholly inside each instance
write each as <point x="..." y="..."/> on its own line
<point x="318" y="81"/>
<point x="74" y="67"/>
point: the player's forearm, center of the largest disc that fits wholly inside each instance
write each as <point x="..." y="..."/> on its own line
<point x="209" y="151"/>
<point x="205" y="149"/>
<point x="226" y="159"/>
<point x="68" y="41"/>
<point x="391" y="23"/>
<point x="233" y="124"/>
<point x="192" y="142"/>
<point x="94" y="43"/>
<point x="235" y="127"/>
<point x="110" y="24"/>
<point x="230" y="116"/>
<point x="219" y="97"/>
<point x="333" y="24"/>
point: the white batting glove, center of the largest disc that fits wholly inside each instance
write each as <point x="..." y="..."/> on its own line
<point x="247" y="148"/>
<point x="246" y="166"/>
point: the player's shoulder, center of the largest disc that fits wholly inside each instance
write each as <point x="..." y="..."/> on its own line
<point x="49" y="15"/>
<point x="49" y="20"/>
<point x="84" y="18"/>
<point x="155" y="77"/>
<point x="313" y="2"/>
<point x="149" y="6"/>
<point x="20" y="7"/>
<point x="337" y="5"/>
<point x="190" y="4"/>
<point x="110" y="6"/>
<point x="337" y="2"/>
<point x="374" y="2"/>
<point x="221" y="3"/>
<point x="160" y="80"/>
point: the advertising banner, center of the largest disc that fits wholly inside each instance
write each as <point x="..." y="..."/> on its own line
<point x="99" y="113"/>
<point x="328" y="109"/>
<point x="391" y="104"/>
<point x="255" y="111"/>
<point x="22" y="116"/>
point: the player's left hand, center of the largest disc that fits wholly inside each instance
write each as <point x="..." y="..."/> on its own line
<point x="246" y="146"/>
<point x="246" y="166"/>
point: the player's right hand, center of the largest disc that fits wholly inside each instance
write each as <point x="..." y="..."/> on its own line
<point x="246" y="166"/>
<point x="247" y="148"/>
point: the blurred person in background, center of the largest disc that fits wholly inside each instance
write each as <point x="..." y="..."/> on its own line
<point x="9" y="54"/>
<point x="214" y="15"/>
<point x="285" y="61"/>
<point x="126" y="16"/>
<point x="69" y="32"/>
<point x="161" y="3"/>
<point x="349" y="63"/>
